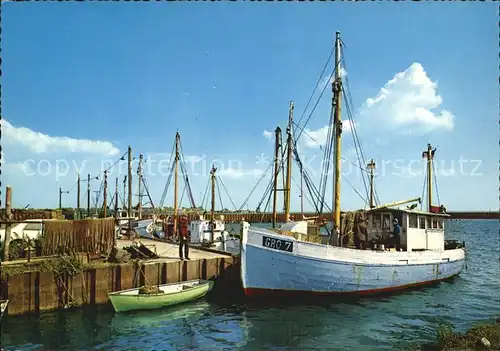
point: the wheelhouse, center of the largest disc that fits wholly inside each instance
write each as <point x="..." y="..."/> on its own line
<point x="420" y="230"/>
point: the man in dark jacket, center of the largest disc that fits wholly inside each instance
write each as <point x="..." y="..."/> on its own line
<point x="396" y="232"/>
<point x="184" y="237"/>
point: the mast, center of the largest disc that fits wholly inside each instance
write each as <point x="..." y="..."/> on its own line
<point x="371" y="167"/>
<point x="78" y="198"/>
<point x="336" y="104"/>
<point x="124" y="189"/>
<point x="60" y="198"/>
<point x="289" y="142"/>
<point x="88" y="195"/>
<point x="116" y="198"/>
<point x="212" y="208"/>
<point x="301" y="193"/>
<point x="105" y="197"/>
<point x="129" y="205"/>
<point x="139" y="174"/>
<point x="276" y="171"/>
<point x="176" y="178"/>
<point x="429" y="154"/>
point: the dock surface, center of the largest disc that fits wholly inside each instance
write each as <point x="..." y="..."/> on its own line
<point x="169" y="252"/>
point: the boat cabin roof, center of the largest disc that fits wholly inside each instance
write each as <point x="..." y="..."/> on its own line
<point x="399" y="211"/>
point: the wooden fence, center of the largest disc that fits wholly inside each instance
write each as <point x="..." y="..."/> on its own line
<point x="88" y="235"/>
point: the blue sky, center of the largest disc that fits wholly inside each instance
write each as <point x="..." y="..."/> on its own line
<point x="82" y="81"/>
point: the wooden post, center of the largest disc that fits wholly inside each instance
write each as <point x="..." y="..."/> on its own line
<point x="8" y="214"/>
<point x="60" y="198"/>
<point x="116" y="198"/>
<point x="139" y="175"/>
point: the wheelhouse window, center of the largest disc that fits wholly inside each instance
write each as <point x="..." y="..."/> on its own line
<point x="386" y="220"/>
<point x="412" y="221"/>
<point x="440" y="223"/>
<point x="429" y="222"/>
<point x="434" y="223"/>
<point x="376" y="220"/>
<point x="421" y="222"/>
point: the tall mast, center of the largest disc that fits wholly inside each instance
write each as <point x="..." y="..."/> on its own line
<point x="301" y="193"/>
<point x="78" y="198"/>
<point x="88" y="195"/>
<point x="212" y="207"/>
<point x="116" y="198"/>
<point x="336" y="104"/>
<point x="129" y="205"/>
<point x="276" y="172"/>
<point x="371" y="167"/>
<point x="105" y="198"/>
<point x="176" y="178"/>
<point x="139" y="175"/>
<point x="429" y="154"/>
<point x="289" y="142"/>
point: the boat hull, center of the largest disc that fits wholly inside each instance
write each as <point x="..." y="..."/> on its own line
<point x="129" y="300"/>
<point x="315" y="269"/>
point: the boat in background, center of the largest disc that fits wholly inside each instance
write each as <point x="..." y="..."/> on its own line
<point x="211" y="233"/>
<point x="3" y="307"/>
<point x="168" y="295"/>
<point x="287" y="261"/>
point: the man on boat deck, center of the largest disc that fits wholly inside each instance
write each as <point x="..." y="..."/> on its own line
<point x="183" y="232"/>
<point x="396" y="232"/>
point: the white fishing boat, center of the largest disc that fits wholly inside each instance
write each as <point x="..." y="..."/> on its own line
<point x="212" y="233"/>
<point x="206" y="231"/>
<point x="286" y="261"/>
<point x="3" y="307"/>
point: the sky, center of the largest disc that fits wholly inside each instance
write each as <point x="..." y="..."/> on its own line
<point x="83" y="81"/>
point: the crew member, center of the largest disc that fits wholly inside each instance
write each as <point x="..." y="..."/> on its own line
<point x="184" y="237"/>
<point x="396" y="232"/>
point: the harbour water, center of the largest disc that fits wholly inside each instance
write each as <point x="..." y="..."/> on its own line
<point x="391" y="323"/>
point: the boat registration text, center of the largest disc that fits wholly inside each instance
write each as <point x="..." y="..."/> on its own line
<point x="278" y="244"/>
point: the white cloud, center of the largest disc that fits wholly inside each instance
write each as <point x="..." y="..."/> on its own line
<point x="43" y="143"/>
<point x="408" y="102"/>
<point x="327" y="80"/>
<point x="238" y="173"/>
<point x="316" y="138"/>
<point x="267" y="134"/>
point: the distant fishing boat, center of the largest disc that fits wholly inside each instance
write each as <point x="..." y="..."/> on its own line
<point x="3" y="307"/>
<point x="287" y="261"/>
<point x="169" y="295"/>
<point x="211" y="233"/>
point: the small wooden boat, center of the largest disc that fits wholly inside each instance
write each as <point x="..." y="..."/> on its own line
<point x="169" y="295"/>
<point x="3" y="307"/>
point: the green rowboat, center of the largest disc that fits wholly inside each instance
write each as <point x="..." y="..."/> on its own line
<point x="172" y="294"/>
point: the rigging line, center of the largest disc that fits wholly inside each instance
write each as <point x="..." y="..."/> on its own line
<point x="303" y="193"/>
<point x="203" y="202"/>
<point x="165" y="189"/>
<point x="114" y="164"/>
<point x="68" y="191"/>
<point x="268" y="189"/>
<point x="342" y="157"/>
<point x="227" y="193"/>
<point x="182" y="196"/>
<point x="317" y="83"/>
<point x="435" y="182"/>
<point x="357" y="146"/>
<point x="220" y="194"/>
<point x="314" y="193"/>
<point x="353" y="188"/>
<point x="253" y="189"/>
<point x="319" y="98"/>
<point x="148" y="193"/>
<point x="423" y="191"/>
<point x="349" y="104"/>
<point x="186" y="179"/>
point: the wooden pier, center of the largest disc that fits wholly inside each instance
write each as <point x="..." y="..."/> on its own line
<point x="36" y="291"/>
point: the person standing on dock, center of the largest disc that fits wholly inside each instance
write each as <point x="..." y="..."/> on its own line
<point x="184" y="237"/>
